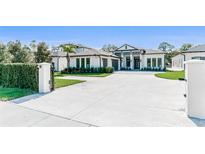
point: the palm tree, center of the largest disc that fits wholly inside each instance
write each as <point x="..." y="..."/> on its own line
<point x="68" y="48"/>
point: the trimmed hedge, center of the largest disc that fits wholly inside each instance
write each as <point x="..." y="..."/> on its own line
<point x="73" y="70"/>
<point x="19" y="75"/>
<point x="153" y="69"/>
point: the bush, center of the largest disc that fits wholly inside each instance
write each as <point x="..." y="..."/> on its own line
<point x="73" y="70"/>
<point x="19" y="75"/>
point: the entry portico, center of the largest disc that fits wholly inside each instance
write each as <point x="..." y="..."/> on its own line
<point x="133" y="58"/>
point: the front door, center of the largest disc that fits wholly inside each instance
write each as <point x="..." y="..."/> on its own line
<point x="136" y="62"/>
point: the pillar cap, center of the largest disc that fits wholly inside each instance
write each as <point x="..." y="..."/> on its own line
<point x="43" y="63"/>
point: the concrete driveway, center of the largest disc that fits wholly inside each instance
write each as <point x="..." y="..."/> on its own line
<point x="122" y="99"/>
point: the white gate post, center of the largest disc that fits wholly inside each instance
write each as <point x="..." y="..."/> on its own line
<point x="44" y="77"/>
<point x="195" y="88"/>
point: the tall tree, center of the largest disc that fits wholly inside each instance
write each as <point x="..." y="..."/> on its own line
<point x="42" y="54"/>
<point x="109" y="47"/>
<point x="185" y="47"/>
<point x="33" y="46"/>
<point x="164" y="46"/>
<point x="5" y="56"/>
<point x="68" y="48"/>
<point x="20" y="54"/>
<point x="169" y="49"/>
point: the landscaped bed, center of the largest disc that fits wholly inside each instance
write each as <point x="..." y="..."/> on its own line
<point x="172" y="75"/>
<point x="59" y="74"/>
<point x="65" y="82"/>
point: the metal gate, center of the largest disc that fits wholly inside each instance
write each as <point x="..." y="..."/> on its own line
<point x="52" y="81"/>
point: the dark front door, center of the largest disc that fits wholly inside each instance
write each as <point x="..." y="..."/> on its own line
<point x="136" y="62"/>
<point x="115" y="64"/>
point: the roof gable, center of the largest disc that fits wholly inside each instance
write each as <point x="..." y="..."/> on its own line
<point x="126" y="47"/>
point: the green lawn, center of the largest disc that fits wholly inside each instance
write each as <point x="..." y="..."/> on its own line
<point x="12" y="93"/>
<point x="58" y="74"/>
<point x="172" y="75"/>
<point x="65" y="82"/>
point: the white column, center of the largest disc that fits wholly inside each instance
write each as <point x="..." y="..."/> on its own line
<point x="122" y="59"/>
<point x="195" y="88"/>
<point x="44" y="77"/>
<point x="131" y="61"/>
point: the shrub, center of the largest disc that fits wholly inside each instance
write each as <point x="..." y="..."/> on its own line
<point x="19" y="75"/>
<point x="73" y="70"/>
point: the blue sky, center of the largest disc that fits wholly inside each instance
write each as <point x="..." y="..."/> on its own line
<point x="146" y="36"/>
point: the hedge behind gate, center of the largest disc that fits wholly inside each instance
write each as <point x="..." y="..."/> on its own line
<point x="19" y="75"/>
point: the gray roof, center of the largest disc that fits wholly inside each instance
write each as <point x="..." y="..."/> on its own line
<point x="87" y="51"/>
<point x="197" y="48"/>
<point x="153" y="51"/>
<point x="148" y="51"/>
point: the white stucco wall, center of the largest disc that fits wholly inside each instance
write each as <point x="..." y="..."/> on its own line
<point x="177" y="61"/>
<point x="195" y="87"/>
<point x="189" y="56"/>
<point x="94" y="61"/>
<point x="146" y="56"/>
<point x="60" y="63"/>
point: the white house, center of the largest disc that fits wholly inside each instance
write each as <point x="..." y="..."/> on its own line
<point x="196" y="52"/>
<point x="133" y="58"/>
<point x="124" y="57"/>
<point x="85" y="57"/>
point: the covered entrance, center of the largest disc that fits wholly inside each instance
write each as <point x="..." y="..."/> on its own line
<point x="115" y="64"/>
<point x="137" y="62"/>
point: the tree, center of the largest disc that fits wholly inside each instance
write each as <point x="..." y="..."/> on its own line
<point x="164" y="46"/>
<point x="33" y="46"/>
<point x="169" y="49"/>
<point x="5" y="56"/>
<point x="109" y="47"/>
<point x="20" y="54"/>
<point x="68" y="48"/>
<point x="42" y="54"/>
<point x="185" y="47"/>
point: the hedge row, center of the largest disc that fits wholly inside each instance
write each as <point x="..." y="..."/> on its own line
<point x="19" y="75"/>
<point x="73" y="70"/>
<point x="153" y="69"/>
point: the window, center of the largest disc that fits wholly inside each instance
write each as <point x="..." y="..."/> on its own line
<point x="82" y="62"/>
<point x="148" y="62"/>
<point x="77" y="63"/>
<point x="154" y="62"/>
<point x="104" y="62"/>
<point x="199" y="58"/>
<point x="128" y="61"/>
<point x="87" y="62"/>
<point x="159" y="62"/>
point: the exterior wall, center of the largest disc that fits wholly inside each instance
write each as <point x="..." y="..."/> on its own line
<point x="94" y="61"/>
<point x="195" y="87"/>
<point x="146" y="56"/>
<point x="109" y="61"/>
<point x="60" y="63"/>
<point x="143" y="59"/>
<point x="189" y="56"/>
<point x="178" y="62"/>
